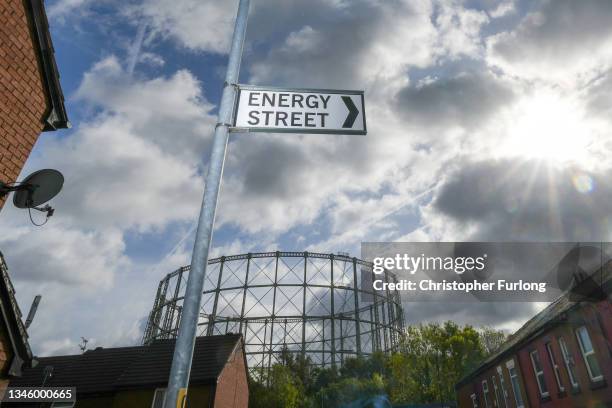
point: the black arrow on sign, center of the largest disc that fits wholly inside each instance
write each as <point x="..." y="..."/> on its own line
<point x="353" y="112"/>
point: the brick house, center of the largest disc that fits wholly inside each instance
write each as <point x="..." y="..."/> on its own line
<point x="562" y="357"/>
<point x="15" y="351"/>
<point x="136" y="377"/>
<point x="31" y="99"/>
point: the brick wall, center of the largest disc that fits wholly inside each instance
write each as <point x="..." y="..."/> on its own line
<point x="588" y="393"/>
<point x="232" y="385"/>
<point x="597" y="318"/>
<point x="6" y="355"/>
<point x="23" y="102"/>
<point x="505" y="391"/>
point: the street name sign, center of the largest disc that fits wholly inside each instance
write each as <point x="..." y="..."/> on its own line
<point x="266" y="109"/>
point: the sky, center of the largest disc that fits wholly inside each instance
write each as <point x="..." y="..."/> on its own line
<point x="488" y="120"/>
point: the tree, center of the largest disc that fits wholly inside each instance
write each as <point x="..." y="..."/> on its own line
<point x="432" y="359"/>
<point x="284" y="390"/>
<point x="351" y="391"/>
<point x="492" y="339"/>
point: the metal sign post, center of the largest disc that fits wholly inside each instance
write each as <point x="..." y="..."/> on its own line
<point x="255" y="109"/>
<point x="183" y="351"/>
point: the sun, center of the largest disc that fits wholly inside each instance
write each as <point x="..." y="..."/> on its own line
<point x="548" y="127"/>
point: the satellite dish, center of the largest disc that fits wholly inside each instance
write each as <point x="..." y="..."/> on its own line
<point x="39" y="187"/>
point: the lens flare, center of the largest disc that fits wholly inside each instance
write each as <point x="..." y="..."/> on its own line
<point x="583" y="183"/>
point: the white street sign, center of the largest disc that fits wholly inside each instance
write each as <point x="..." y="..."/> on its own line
<point x="264" y="109"/>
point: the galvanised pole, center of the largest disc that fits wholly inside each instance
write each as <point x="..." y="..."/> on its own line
<point x="304" y="309"/>
<point x="183" y="351"/>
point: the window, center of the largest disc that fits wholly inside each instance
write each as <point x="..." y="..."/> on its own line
<point x="474" y="400"/>
<point x="590" y="359"/>
<point x="502" y="387"/>
<point x="158" y="398"/>
<point x="496" y="392"/>
<point x="554" y="366"/>
<point x="539" y="373"/>
<point x="569" y="362"/>
<point x="516" y="385"/>
<point x="485" y="392"/>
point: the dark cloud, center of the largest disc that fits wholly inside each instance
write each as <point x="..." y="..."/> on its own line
<point x="322" y="42"/>
<point x="599" y="100"/>
<point x="272" y="169"/>
<point x="557" y="32"/>
<point x="529" y="200"/>
<point x="503" y="314"/>
<point x="467" y="100"/>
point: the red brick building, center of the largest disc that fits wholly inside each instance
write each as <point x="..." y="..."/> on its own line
<point x="137" y="377"/>
<point x="15" y="353"/>
<point x="562" y="357"/>
<point x="31" y="99"/>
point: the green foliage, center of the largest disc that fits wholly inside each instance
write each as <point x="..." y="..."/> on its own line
<point x="492" y="339"/>
<point x="285" y="390"/>
<point x="350" y="389"/>
<point x="430" y="361"/>
<point x="433" y="358"/>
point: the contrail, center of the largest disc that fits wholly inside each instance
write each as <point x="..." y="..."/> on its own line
<point x="134" y="51"/>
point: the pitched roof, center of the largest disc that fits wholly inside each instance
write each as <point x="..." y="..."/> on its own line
<point x="553" y="314"/>
<point x="11" y="315"/>
<point x="211" y="353"/>
<point x="105" y="370"/>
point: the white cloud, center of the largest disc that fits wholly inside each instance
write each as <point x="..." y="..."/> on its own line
<point x="504" y="9"/>
<point x="60" y="9"/>
<point x="136" y="164"/>
<point x="459" y="30"/>
<point x="58" y="347"/>
<point x="133" y="167"/>
<point x="63" y="255"/>
<point x="196" y="25"/>
<point x="563" y="41"/>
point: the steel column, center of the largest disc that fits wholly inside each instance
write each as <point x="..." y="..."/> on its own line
<point x="217" y="292"/>
<point x="357" y="318"/>
<point x="244" y="293"/>
<point x="273" y="312"/>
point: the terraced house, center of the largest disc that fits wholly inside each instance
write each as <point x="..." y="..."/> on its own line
<point x="562" y="357"/>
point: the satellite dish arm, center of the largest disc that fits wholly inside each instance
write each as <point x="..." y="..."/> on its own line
<point x="6" y="188"/>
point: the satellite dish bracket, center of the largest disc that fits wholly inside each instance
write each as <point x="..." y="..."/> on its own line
<point x="5" y="189"/>
<point x="35" y="190"/>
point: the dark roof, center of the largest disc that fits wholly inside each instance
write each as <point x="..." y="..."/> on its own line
<point x="211" y="353"/>
<point x="555" y="313"/>
<point x="11" y="315"/>
<point x="105" y="370"/>
<point x="57" y="117"/>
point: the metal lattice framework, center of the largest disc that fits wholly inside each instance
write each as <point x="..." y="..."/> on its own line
<point x="300" y="302"/>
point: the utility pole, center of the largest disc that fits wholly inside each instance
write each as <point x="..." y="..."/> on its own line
<point x="183" y="351"/>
